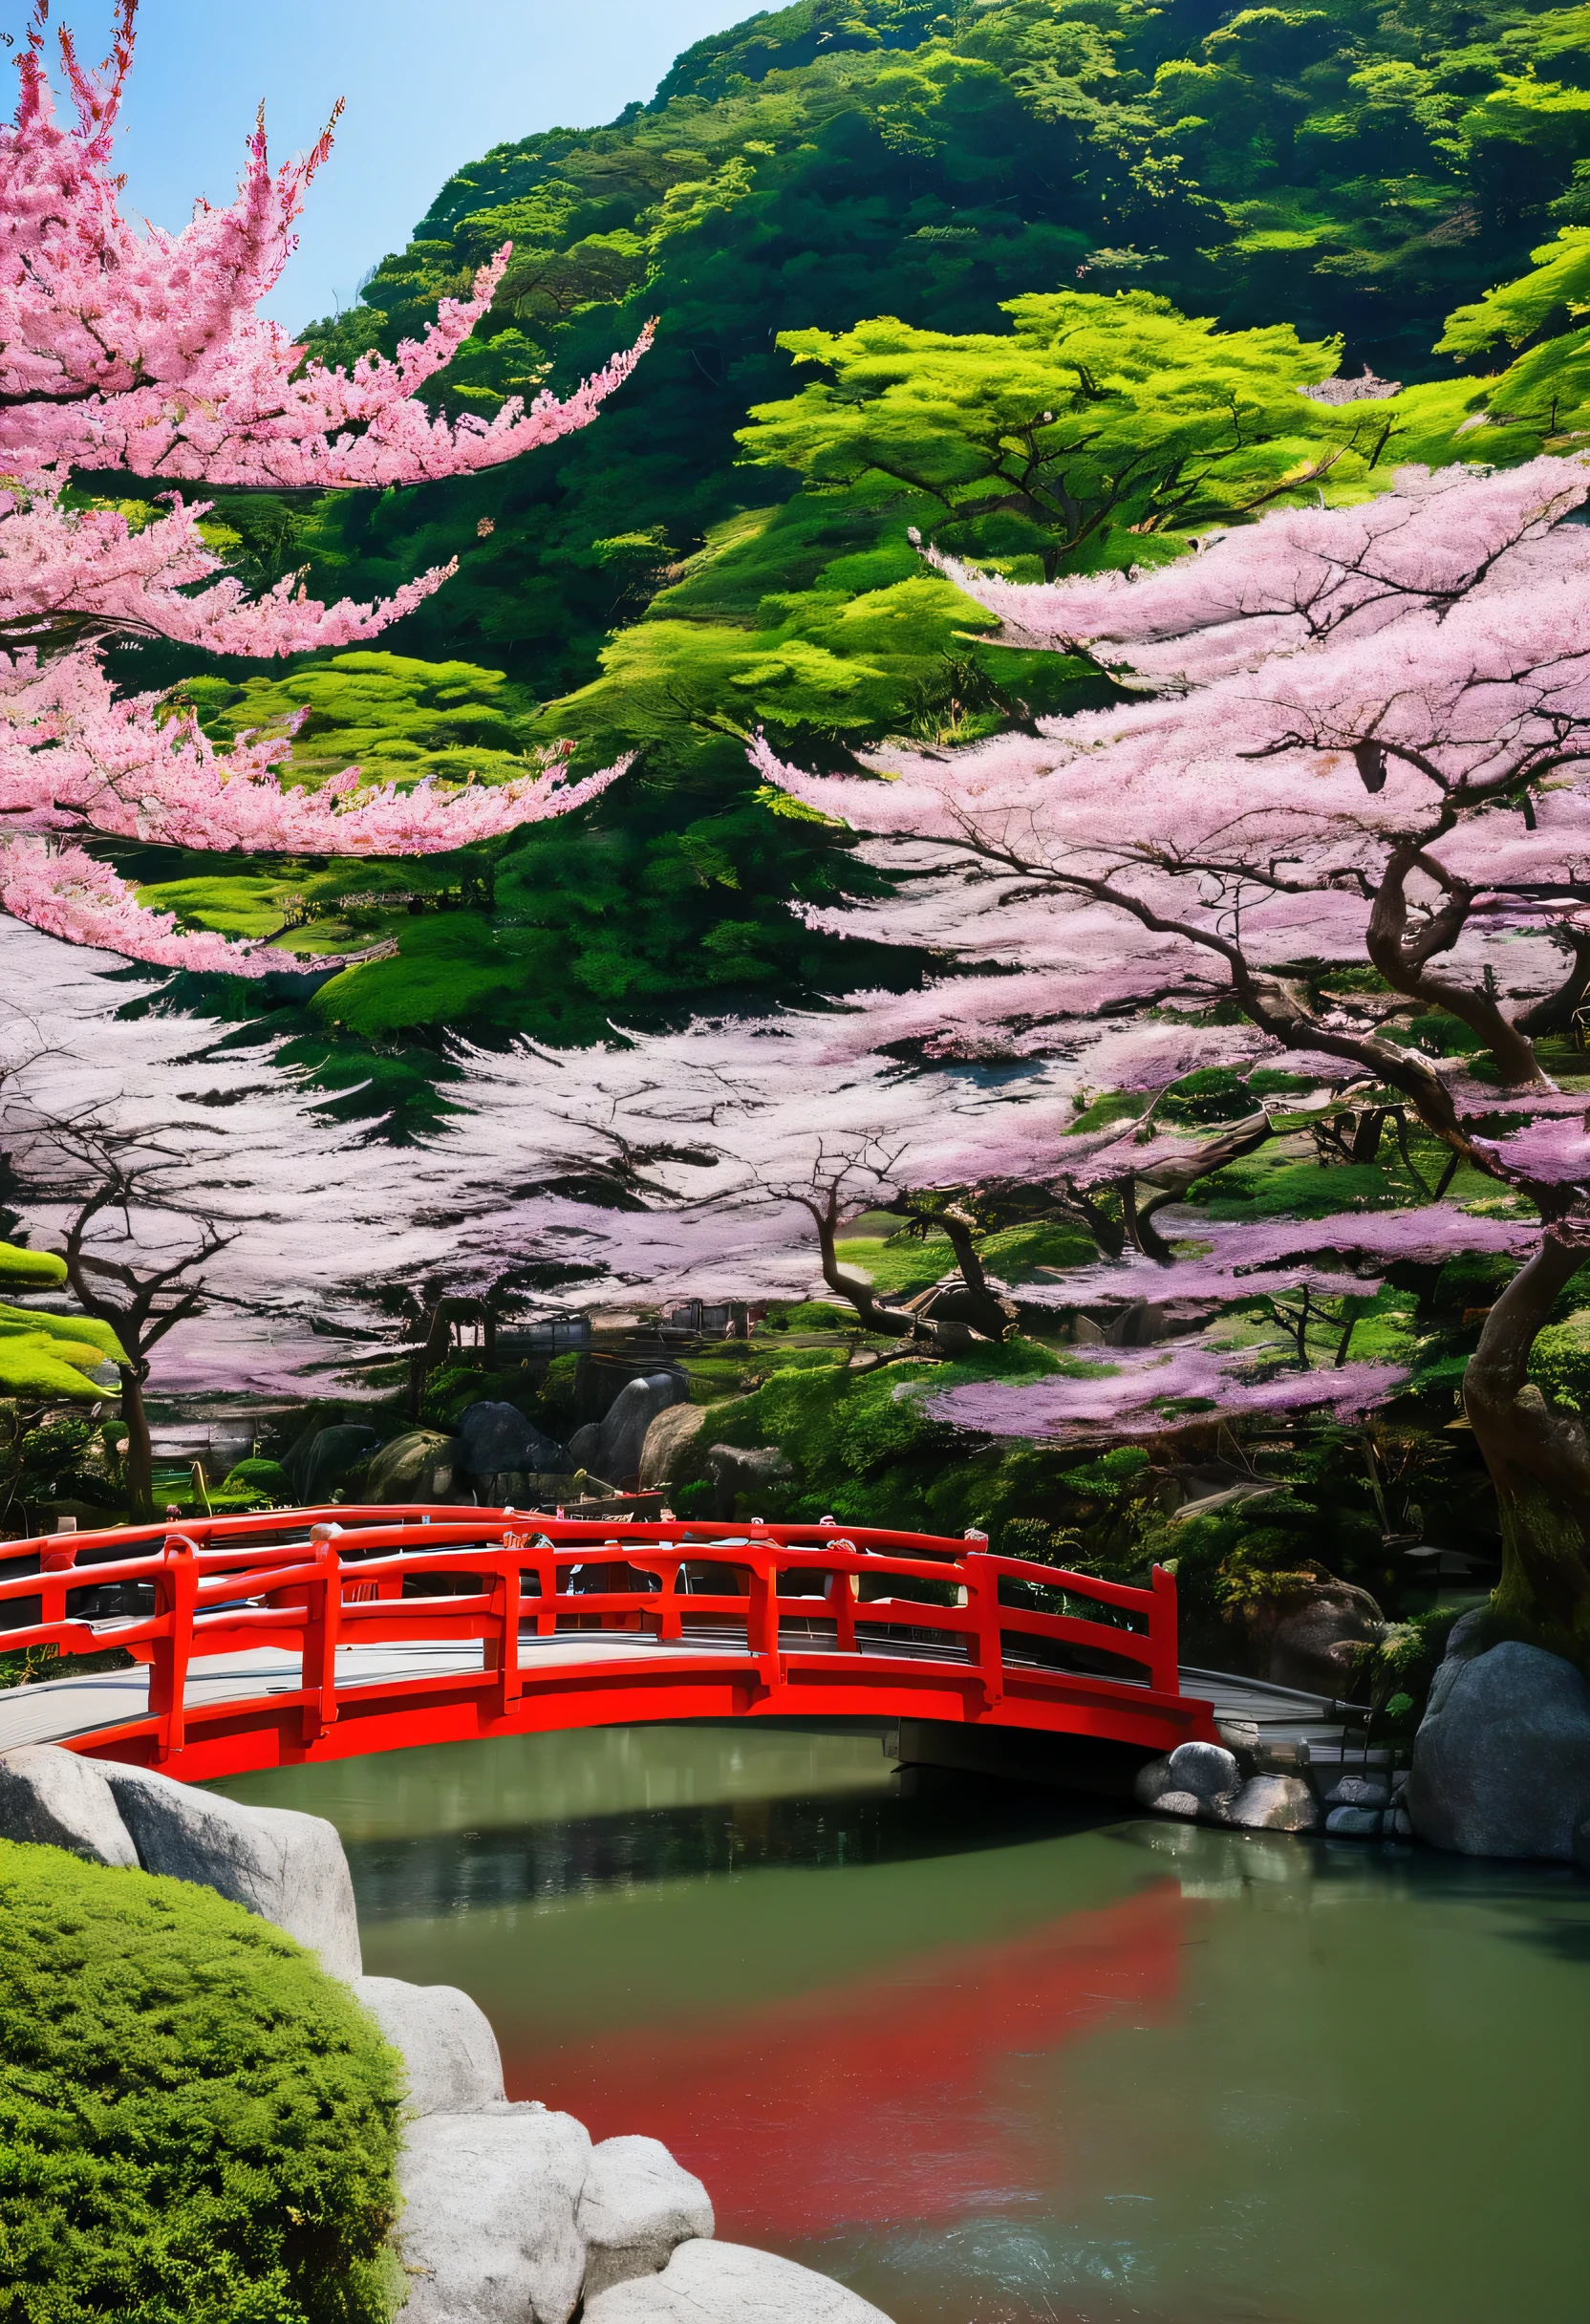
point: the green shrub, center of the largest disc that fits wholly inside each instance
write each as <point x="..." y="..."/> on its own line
<point x="1559" y="1361"/>
<point x="197" y="2124"/>
<point x="267" y="1478"/>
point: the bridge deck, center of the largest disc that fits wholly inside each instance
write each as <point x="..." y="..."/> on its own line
<point x="60" y="1710"/>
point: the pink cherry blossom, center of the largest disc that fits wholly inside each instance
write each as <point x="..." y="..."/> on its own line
<point x="65" y="893"/>
<point x="146" y="351"/>
<point x="1137" y="1392"/>
<point x="83" y="572"/>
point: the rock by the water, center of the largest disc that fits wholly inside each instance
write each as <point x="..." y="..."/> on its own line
<point x="1204" y="1768"/>
<point x="60" y="1800"/>
<point x="745" y="1475"/>
<point x="445" y="2041"/>
<point x="316" y="1466"/>
<point x="487" y="2232"/>
<point x="1353" y="1823"/>
<point x="714" y="2283"/>
<point x="637" y="2204"/>
<point x="1179" y="1803"/>
<point x="1358" y="1792"/>
<point x="497" y="1440"/>
<point x="623" y="1432"/>
<point x="1501" y="1762"/>
<point x="1151" y="1782"/>
<point x="422" y="1466"/>
<point x="1274" y="1803"/>
<point x="287" y="1867"/>
<point x="669" y="1441"/>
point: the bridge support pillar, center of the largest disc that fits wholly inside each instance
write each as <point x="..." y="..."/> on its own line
<point x="1071" y="1763"/>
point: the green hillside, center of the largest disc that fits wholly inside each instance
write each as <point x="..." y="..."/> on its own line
<point x="1040" y="279"/>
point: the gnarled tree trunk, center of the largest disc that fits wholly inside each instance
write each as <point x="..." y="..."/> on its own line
<point x="1539" y="1463"/>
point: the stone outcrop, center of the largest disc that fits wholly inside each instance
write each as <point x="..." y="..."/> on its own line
<point x="1314" y="1638"/>
<point x="636" y="2206"/>
<point x="287" y="1867"/>
<point x="713" y="2283"/>
<point x="488" y="2233"/>
<point x="448" y="2049"/>
<point x="56" y="1798"/>
<point x="422" y="1466"/>
<point x="1171" y="1802"/>
<point x="1205" y="1768"/>
<point x="622" y="1433"/>
<point x="499" y="1441"/>
<point x="318" y="1463"/>
<point x="1501" y="1762"/>
<point x="744" y="1477"/>
<point x="670" y="1442"/>
<point x="1274" y="1803"/>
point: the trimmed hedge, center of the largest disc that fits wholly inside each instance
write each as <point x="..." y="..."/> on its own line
<point x="197" y="2126"/>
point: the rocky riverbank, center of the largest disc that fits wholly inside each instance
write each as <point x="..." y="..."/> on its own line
<point x="511" y="2213"/>
<point x="1500" y="1766"/>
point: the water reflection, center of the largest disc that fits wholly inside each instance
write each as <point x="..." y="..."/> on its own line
<point x="994" y="2057"/>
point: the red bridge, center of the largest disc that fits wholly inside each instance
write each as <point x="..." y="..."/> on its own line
<point x="320" y="1634"/>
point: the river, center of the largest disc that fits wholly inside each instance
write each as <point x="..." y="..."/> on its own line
<point x="994" y="2056"/>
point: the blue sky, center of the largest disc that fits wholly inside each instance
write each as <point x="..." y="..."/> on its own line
<point x="430" y="84"/>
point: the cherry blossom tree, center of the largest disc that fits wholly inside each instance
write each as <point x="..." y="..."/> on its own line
<point x="145" y="354"/>
<point x="1342" y="799"/>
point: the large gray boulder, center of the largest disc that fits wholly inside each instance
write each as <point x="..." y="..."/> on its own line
<point x="1316" y="1638"/>
<point x="488" y="2234"/>
<point x="60" y="1800"/>
<point x="1501" y="1762"/>
<point x="637" y="2204"/>
<point x="287" y="1867"/>
<point x="318" y="1463"/>
<point x="444" y="2039"/>
<point x="713" y="2283"/>
<point x="1205" y="1768"/>
<point x="746" y="1477"/>
<point x="499" y="1441"/>
<point x="670" y="1441"/>
<point x="629" y="1417"/>
<point x="585" y="1443"/>
<point x="420" y="1467"/>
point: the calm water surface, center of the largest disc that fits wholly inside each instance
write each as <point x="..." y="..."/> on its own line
<point x="992" y="2060"/>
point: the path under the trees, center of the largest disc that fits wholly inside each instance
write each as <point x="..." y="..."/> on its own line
<point x="300" y="1637"/>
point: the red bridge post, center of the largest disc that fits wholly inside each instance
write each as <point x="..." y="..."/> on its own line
<point x="176" y="1591"/>
<point x="1164" y="1673"/>
<point x="502" y="1653"/>
<point x="322" y="1629"/>
<point x="985" y="1646"/>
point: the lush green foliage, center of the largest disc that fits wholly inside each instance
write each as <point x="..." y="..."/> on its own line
<point x="196" y="2123"/>
<point x="42" y="1354"/>
<point x="1285" y="175"/>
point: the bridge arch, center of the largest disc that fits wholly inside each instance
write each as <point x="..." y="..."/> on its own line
<point x="297" y="1636"/>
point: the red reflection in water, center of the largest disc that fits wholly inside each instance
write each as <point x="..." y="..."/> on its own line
<point x="904" y="2094"/>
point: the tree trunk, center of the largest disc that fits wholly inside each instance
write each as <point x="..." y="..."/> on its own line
<point x="438" y="1336"/>
<point x="140" y="1465"/>
<point x="1539" y="1463"/>
<point x="990" y="1312"/>
<point x="893" y="1322"/>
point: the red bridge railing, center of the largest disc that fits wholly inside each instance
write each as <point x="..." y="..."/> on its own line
<point x="311" y="1581"/>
